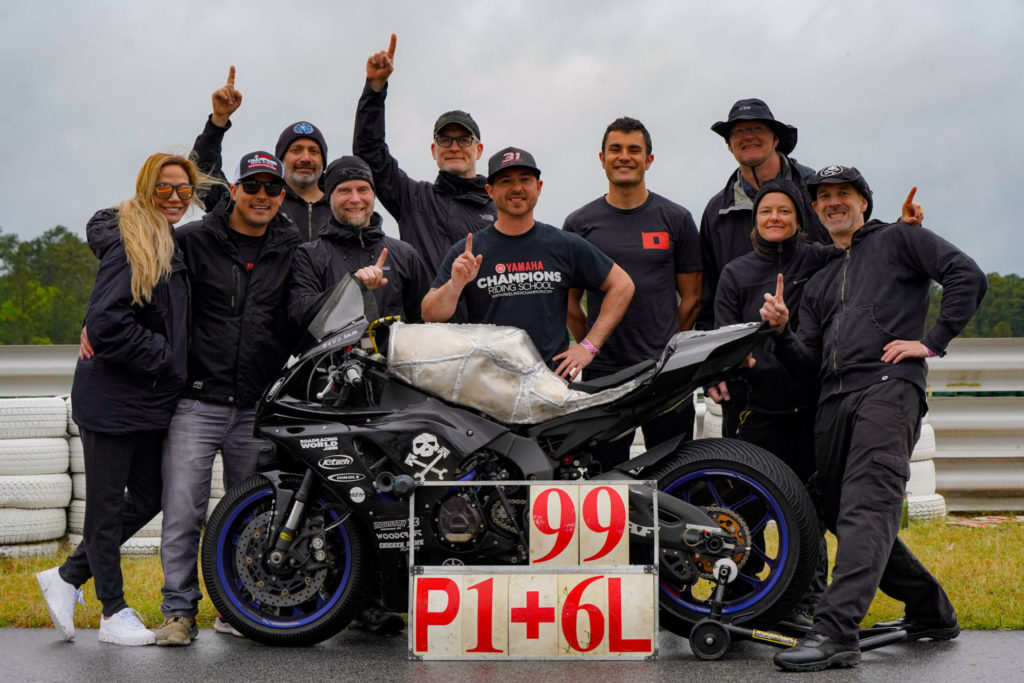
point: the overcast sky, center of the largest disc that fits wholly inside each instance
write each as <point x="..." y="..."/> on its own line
<point x="910" y="92"/>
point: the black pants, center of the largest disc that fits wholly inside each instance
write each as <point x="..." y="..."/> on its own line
<point x="662" y="428"/>
<point x="863" y="442"/>
<point x="112" y="514"/>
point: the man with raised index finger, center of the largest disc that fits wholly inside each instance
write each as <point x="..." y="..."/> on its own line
<point x="301" y="147"/>
<point x="519" y="272"/>
<point x="431" y="216"/>
<point x="862" y="330"/>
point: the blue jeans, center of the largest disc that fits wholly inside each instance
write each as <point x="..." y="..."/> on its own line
<point x="197" y="430"/>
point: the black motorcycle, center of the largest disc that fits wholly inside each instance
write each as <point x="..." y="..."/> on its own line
<point x="373" y="406"/>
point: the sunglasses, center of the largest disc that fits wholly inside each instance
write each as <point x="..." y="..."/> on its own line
<point x="164" y="190"/>
<point x="272" y="187"/>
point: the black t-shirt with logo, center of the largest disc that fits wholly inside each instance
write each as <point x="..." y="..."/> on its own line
<point x="652" y="243"/>
<point x="524" y="280"/>
<point x="248" y="247"/>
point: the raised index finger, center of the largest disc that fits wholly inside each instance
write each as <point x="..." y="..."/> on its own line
<point x="469" y="244"/>
<point x="391" y="46"/>
<point x="383" y="256"/>
<point x="778" y="288"/>
<point x="231" y="77"/>
<point x="910" y="197"/>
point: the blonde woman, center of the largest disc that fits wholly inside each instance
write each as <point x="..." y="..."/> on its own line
<point x="123" y="397"/>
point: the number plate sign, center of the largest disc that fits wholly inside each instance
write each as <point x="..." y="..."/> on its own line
<point x="578" y="598"/>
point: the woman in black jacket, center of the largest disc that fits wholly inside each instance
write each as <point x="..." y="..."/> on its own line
<point x="124" y="395"/>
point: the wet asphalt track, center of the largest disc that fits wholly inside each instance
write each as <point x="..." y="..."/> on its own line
<point x="36" y="655"/>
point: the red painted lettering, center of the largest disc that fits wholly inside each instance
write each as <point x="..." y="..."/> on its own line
<point x="424" y="617"/>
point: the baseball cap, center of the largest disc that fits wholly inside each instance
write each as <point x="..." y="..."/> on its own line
<point x="254" y="163"/>
<point x="835" y="174"/>
<point x="459" y="117"/>
<point x="510" y="157"/>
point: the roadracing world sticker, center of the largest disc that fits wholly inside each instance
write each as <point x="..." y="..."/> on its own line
<point x="319" y="443"/>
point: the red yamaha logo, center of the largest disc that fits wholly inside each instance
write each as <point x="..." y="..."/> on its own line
<point x="499" y="268"/>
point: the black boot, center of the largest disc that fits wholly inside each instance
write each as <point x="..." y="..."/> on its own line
<point x="816" y="652"/>
<point x="376" y="619"/>
<point x="917" y="629"/>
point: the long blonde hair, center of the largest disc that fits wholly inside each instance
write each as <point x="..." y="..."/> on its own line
<point x="148" y="238"/>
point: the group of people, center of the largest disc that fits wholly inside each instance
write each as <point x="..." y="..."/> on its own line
<point x="185" y="327"/>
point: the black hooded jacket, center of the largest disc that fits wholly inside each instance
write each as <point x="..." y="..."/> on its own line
<point x="308" y="217"/>
<point x="240" y="331"/>
<point x="431" y="216"/>
<point x="875" y="293"/>
<point x="320" y="265"/>
<point x="725" y="233"/>
<point x="768" y="387"/>
<point x="133" y="381"/>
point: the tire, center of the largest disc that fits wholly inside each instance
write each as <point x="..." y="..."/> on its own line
<point x="133" y="546"/>
<point x="721" y="473"/>
<point x="76" y="521"/>
<point x="33" y="456"/>
<point x="924" y="449"/>
<point x="31" y="526"/>
<point x="23" y="550"/>
<point x="72" y="427"/>
<point x="76" y="458"/>
<point x="35" y="491"/>
<point x="249" y="596"/>
<point x="922" y="508"/>
<point x="922" y="478"/>
<point x="32" y="418"/>
<point x="78" y="486"/>
<point x="217" y="477"/>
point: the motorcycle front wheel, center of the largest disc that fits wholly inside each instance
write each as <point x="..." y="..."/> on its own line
<point x="758" y="499"/>
<point x="302" y="605"/>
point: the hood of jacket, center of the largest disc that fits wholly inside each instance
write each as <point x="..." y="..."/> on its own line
<point x="354" y="236"/>
<point x="103" y="231"/>
<point x="465" y="189"/>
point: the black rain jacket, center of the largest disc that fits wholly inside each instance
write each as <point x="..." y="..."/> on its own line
<point x="876" y="292"/>
<point x="308" y="217"/>
<point x="320" y="265"/>
<point x="135" y="378"/>
<point x="240" y="331"/>
<point x="725" y="233"/>
<point x="431" y="216"/>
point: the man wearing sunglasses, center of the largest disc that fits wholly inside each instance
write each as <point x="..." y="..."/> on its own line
<point x="238" y="257"/>
<point x="431" y="216"/>
<point x="301" y="148"/>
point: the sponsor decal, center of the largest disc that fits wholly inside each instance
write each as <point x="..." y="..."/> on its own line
<point x="655" y="240"/>
<point x="303" y="128"/>
<point x="453" y="562"/>
<point x="320" y="443"/>
<point x="770" y="637"/>
<point x="357" y="494"/>
<point x="335" y="462"/>
<point x="637" y="530"/>
<point x="830" y="171"/>
<point x="391" y="533"/>
<point x="344" y="477"/>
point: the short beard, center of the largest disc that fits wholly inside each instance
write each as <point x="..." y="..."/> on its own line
<point x="349" y="222"/>
<point x="300" y="182"/>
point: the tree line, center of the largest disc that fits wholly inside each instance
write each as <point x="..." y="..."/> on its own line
<point x="45" y="285"/>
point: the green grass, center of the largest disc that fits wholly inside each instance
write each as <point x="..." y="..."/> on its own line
<point x="979" y="568"/>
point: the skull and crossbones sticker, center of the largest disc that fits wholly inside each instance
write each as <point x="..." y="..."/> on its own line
<point x="426" y="453"/>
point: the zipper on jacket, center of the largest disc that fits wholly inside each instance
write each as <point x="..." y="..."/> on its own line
<point x="839" y="318"/>
<point x="309" y="220"/>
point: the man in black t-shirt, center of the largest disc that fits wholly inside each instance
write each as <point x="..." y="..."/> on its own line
<point x="522" y="271"/>
<point x="655" y="240"/>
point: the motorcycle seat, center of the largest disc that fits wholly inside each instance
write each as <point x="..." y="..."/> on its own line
<point x="624" y="375"/>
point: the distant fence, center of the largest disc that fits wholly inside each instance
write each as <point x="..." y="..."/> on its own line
<point x="979" y="461"/>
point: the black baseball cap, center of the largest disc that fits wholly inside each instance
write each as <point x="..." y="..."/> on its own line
<point x="754" y="109"/>
<point x="254" y="163"/>
<point x="835" y="174"/>
<point x="510" y="157"/>
<point x="458" y="117"/>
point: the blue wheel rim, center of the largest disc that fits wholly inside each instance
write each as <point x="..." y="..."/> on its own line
<point x="735" y="491"/>
<point x="234" y="589"/>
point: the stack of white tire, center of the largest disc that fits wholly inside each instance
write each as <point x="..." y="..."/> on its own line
<point x="922" y="500"/>
<point x="35" y="486"/>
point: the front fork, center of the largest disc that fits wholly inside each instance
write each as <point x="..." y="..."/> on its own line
<point x="290" y="509"/>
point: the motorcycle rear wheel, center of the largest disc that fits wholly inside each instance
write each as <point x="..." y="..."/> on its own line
<point x="299" y="607"/>
<point x="756" y="493"/>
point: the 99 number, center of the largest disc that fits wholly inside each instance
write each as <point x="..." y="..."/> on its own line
<point x="565" y="532"/>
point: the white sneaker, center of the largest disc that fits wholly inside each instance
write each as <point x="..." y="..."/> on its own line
<point x="125" y="628"/>
<point x="60" y="598"/>
<point x="224" y="627"/>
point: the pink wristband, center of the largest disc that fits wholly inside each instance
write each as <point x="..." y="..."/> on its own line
<point x="929" y="353"/>
<point x="589" y="347"/>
